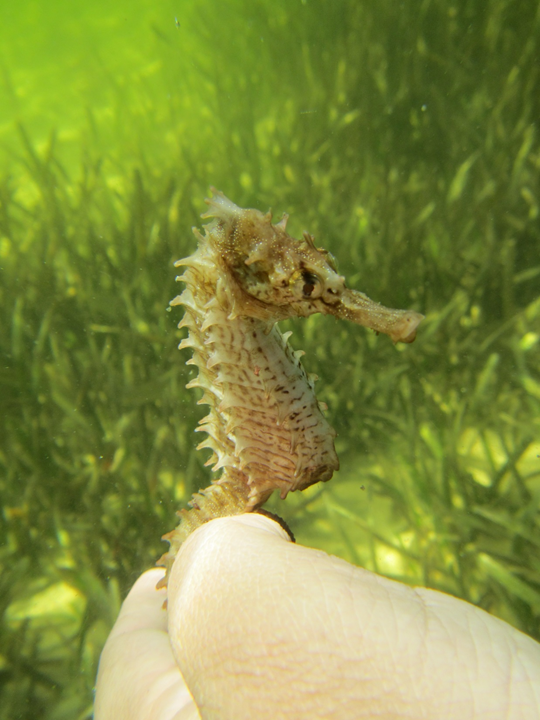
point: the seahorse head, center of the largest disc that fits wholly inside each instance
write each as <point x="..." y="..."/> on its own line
<point x="276" y="276"/>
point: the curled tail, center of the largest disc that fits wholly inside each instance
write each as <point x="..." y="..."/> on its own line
<point x="227" y="497"/>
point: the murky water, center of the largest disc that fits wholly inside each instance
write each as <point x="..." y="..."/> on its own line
<point x="405" y="138"/>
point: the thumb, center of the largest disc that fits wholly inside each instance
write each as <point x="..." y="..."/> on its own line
<point x="264" y="628"/>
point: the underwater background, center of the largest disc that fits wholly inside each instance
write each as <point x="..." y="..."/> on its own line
<point x="405" y="136"/>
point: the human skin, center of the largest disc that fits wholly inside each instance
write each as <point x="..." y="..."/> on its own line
<point x="258" y="627"/>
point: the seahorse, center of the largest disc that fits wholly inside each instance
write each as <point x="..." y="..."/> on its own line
<point x="265" y="427"/>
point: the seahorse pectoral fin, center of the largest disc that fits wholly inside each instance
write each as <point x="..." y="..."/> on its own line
<point x="353" y="305"/>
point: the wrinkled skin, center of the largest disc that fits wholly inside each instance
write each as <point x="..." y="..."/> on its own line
<point x="261" y="628"/>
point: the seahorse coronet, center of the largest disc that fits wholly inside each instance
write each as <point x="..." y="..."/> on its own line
<point x="265" y="428"/>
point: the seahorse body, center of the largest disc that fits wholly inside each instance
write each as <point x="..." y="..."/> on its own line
<point x="265" y="427"/>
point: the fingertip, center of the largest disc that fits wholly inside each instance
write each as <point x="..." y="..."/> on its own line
<point x="231" y="534"/>
<point x="143" y="607"/>
<point x="148" y="580"/>
<point x="264" y="521"/>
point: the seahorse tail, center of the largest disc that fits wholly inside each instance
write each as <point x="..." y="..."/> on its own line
<point x="228" y="496"/>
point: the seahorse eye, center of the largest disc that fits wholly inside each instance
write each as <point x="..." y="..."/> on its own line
<point x="311" y="282"/>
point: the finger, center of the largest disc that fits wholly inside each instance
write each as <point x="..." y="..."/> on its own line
<point x="264" y="628"/>
<point x="143" y="607"/>
<point x="138" y="678"/>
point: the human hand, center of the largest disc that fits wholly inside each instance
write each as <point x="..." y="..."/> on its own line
<point x="259" y="627"/>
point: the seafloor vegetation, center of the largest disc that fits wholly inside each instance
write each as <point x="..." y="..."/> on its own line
<point x="404" y="136"/>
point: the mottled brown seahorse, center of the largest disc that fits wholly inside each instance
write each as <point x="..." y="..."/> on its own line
<point x="265" y="428"/>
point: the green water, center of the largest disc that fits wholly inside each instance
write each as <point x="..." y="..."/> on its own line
<point x="404" y="136"/>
